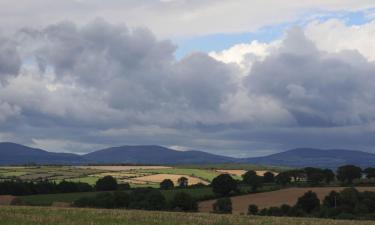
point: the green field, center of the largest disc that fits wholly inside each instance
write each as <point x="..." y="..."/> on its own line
<point x="64" y="216"/>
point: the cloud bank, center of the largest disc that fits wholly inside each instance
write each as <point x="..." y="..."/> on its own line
<point x="69" y="87"/>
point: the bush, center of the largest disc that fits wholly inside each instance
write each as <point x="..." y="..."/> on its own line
<point x="223" y="184"/>
<point x="146" y="198"/>
<point x="166" y="184"/>
<point x="185" y="202"/>
<point x="123" y="187"/>
<point x="104" y="200"/>
<point x="122" y="199"/>
<point x="252" y="209"/>
<point x="223" y="206"/>
<point x="107" y="183"/>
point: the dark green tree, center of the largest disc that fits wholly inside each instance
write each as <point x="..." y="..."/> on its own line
<point x="268" y="177"/>
<point x="223" y="205"/>
<point x="329" y="176"/>
<point x="252" y="209"/>
<point x="223" y="184"/>
<point x="107" y="183"/>
<point x="166" y="184"/>
<point x="332" y="200"/>
<point x="184" y="201"/>
<point x="370" y="172"/>
<point x="251" y="178"/>
<point x="183" y="182"/>
<point x="283" y="178"/>
<point x="308" y="202"/>
<point x="348" y="173"/>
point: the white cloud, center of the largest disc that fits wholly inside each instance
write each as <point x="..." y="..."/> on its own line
<point x="334" y="36"/>
<point x="171" y="18"/>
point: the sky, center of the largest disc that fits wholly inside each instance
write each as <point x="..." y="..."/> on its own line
<point x="238" y="78"/>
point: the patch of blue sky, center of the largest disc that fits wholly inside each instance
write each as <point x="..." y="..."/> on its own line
<point x="219" y="42"/>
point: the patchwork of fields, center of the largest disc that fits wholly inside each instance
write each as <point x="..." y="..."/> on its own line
<point x="63" y="216"/>
<point x="136" y="176"/>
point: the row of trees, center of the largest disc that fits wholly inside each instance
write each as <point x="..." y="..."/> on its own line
<point x="315" y="176"/>
<point x="19" y="187"/>
<point x="141" y="198"/>
<point x="346" y="204"/>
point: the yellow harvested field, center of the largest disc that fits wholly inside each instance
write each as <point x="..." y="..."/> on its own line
<point x="274" y="198"/>
<point x="124" y="168"/>
<point x="241" y="172"/>
<point x="157" y="178"/>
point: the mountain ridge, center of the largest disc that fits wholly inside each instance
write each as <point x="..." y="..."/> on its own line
<point x="16" y="154"/>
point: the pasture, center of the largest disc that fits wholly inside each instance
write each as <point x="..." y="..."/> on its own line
<point x="62" y="216"/>
<point x="274" y="198"/>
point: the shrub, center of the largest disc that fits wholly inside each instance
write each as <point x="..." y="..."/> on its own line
<point x="252" y="209"/>
<point x="223" y="205"/>
<point x="122" y="199"/>
<point x="104" y="200"/>
<point x="107" y="183"/>
<point x="185" y="202"/>
<point x="123" y="187"/>
<point x="147" y="198"/>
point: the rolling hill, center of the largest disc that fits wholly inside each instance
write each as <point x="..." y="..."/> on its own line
<point x="152" y="154"/>
<point x="303" y="157"/>
<point x="15" y="154"/>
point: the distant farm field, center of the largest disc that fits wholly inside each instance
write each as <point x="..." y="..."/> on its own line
<point x="274" y="198"/>
<point x="63" y="216"/>
<point x="136" y="176"/>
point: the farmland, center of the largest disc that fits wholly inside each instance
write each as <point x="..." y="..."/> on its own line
<point x="274" y="198"/>
<point x="136" y="176"/>
<point x="62" y="216"/>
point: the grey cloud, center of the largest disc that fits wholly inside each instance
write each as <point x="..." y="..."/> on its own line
<point x="10" y="61"/>
<point x="318" y="88"/>
<point x="84" y="87"/>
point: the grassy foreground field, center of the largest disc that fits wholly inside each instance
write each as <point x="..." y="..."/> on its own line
<point x="64" y="216"/>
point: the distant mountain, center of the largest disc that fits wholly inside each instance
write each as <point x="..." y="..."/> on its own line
<point x="303" y="157"/>
<point x="12" y="154"/>
<point x="15" y="154"/>
<point x="152" y="154"/>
